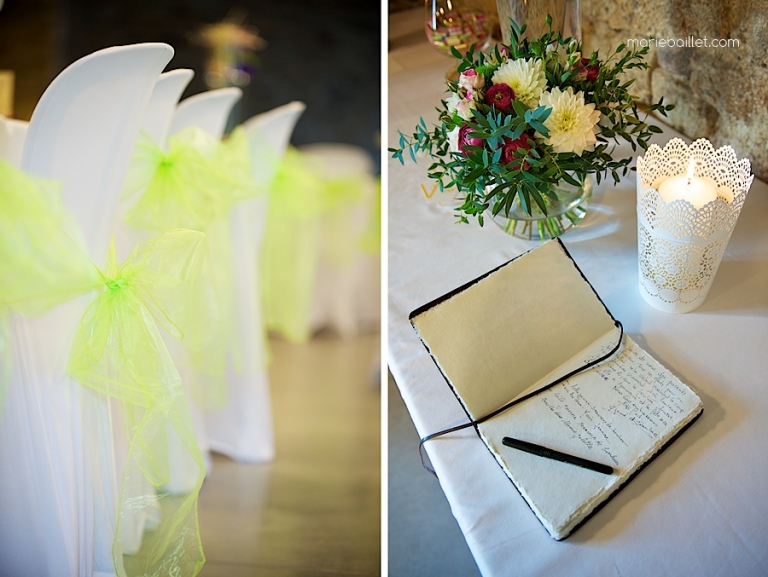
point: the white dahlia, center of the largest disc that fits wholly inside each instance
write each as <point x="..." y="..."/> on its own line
<point x="525" y="77"/>
<point x="572" y="124"/>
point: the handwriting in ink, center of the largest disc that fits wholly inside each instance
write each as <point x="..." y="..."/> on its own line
<point x="628" y="396"/>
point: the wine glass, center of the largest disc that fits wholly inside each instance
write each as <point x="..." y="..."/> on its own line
<point x="456" y="24"/>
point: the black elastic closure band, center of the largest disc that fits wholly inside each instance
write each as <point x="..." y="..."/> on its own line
<point x="511" y="404"/>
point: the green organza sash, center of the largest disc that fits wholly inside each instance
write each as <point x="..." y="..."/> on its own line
<point x="195" y="184"/>
<point x="117" y="349"/>
<point x="311" y="217"/>
<point x="290" y="249"/>
<point x="196" y="181"/>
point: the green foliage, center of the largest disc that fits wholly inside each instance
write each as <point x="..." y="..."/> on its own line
<point x="480" y="174"/>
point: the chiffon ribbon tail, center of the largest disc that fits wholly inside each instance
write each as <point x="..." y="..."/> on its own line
<point x="208" y="323"/>
<point x="118" y="350"/>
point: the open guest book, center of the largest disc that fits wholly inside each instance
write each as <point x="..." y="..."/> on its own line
<point x="517" y="330"/>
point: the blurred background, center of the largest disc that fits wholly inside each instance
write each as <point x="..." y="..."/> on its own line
<point x="315" y="508"/>
<point x="325" y="54"/>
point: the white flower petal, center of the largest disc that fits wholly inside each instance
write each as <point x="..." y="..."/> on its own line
<point x="460" y="106"/>
<point x="453" y="140"/>
<point x="526" y="77"/>
<point x="572" y="124"/>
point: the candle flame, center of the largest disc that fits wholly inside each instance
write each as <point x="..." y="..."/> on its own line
<point x="691" y="168"/>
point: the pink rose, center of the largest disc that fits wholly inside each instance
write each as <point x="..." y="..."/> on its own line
<point x="500" y="96"/>
<point x="465" y="140"/>
<point x="513" y="150"/>
<point x="471" y="81"/>
<point x="586" y="72"/>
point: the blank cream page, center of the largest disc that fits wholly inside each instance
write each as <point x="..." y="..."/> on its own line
<point x="502" y="335"/>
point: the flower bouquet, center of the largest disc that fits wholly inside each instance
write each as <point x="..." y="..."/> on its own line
<point x="526" y="122"/>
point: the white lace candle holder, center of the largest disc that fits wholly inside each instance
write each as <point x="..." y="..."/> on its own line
<point x="679" y="244"/>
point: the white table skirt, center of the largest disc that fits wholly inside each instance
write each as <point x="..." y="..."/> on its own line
<point x="700" y="508"/>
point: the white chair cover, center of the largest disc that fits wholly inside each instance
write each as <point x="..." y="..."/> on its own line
<point x="12" y="135"/>
<point x="208" y="111"/>
<point x="163" y="103"/>
<point x="347" y="295"/>
<point x="58" y="483"/>
<point x="155" y="122"/>
<point x="243" y="429"/>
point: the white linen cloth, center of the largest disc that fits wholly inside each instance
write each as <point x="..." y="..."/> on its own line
<point x="699" y="508"/>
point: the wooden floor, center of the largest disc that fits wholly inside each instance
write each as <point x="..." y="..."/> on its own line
<point x="315" y="510"/>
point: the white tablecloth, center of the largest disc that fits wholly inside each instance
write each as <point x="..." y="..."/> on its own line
<point x="701" y="507"/>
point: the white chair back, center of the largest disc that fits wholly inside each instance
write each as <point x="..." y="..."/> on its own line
<point x="58" y="484"/>
<point x="208" y="110"/>
<point x="12" y="135"/>
<point x="155" y="122"/>
<point x="162" y="104"/>
<point x="347" y="298"/>
<point x="84" y="127"/>
<point x="268" y="136"/>
<point x="243" y="429"/>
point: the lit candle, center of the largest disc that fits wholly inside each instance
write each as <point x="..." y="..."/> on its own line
<point x="698" y="191"/>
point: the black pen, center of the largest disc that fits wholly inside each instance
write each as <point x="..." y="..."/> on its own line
<point x="556" y="455"/>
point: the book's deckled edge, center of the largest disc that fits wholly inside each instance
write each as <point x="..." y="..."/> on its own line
<point x="613" y="493"/>
<point x="425" y="307"/>
<point x="602" y="504"/>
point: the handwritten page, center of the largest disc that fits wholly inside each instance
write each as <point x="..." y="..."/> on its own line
<point x="619" y="413"/>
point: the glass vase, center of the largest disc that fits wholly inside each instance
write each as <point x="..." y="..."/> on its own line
<point x="456" y="24"/>
<point x="566" y="17"/>
<point x="566" y="206"/>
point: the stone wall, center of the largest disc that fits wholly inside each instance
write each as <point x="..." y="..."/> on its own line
<point x="720" y="93"/>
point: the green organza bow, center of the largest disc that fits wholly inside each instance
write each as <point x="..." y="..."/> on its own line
<point x="195" y="184"/>
<point x="117" y="348"/>
<point x="196" y="181"/>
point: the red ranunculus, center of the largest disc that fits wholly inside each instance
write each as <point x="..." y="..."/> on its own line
<point x="500" y="96"/>
<point x="513" y="150"/>
<point x="465" y="140"/>
<point x="585" y="71"/>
